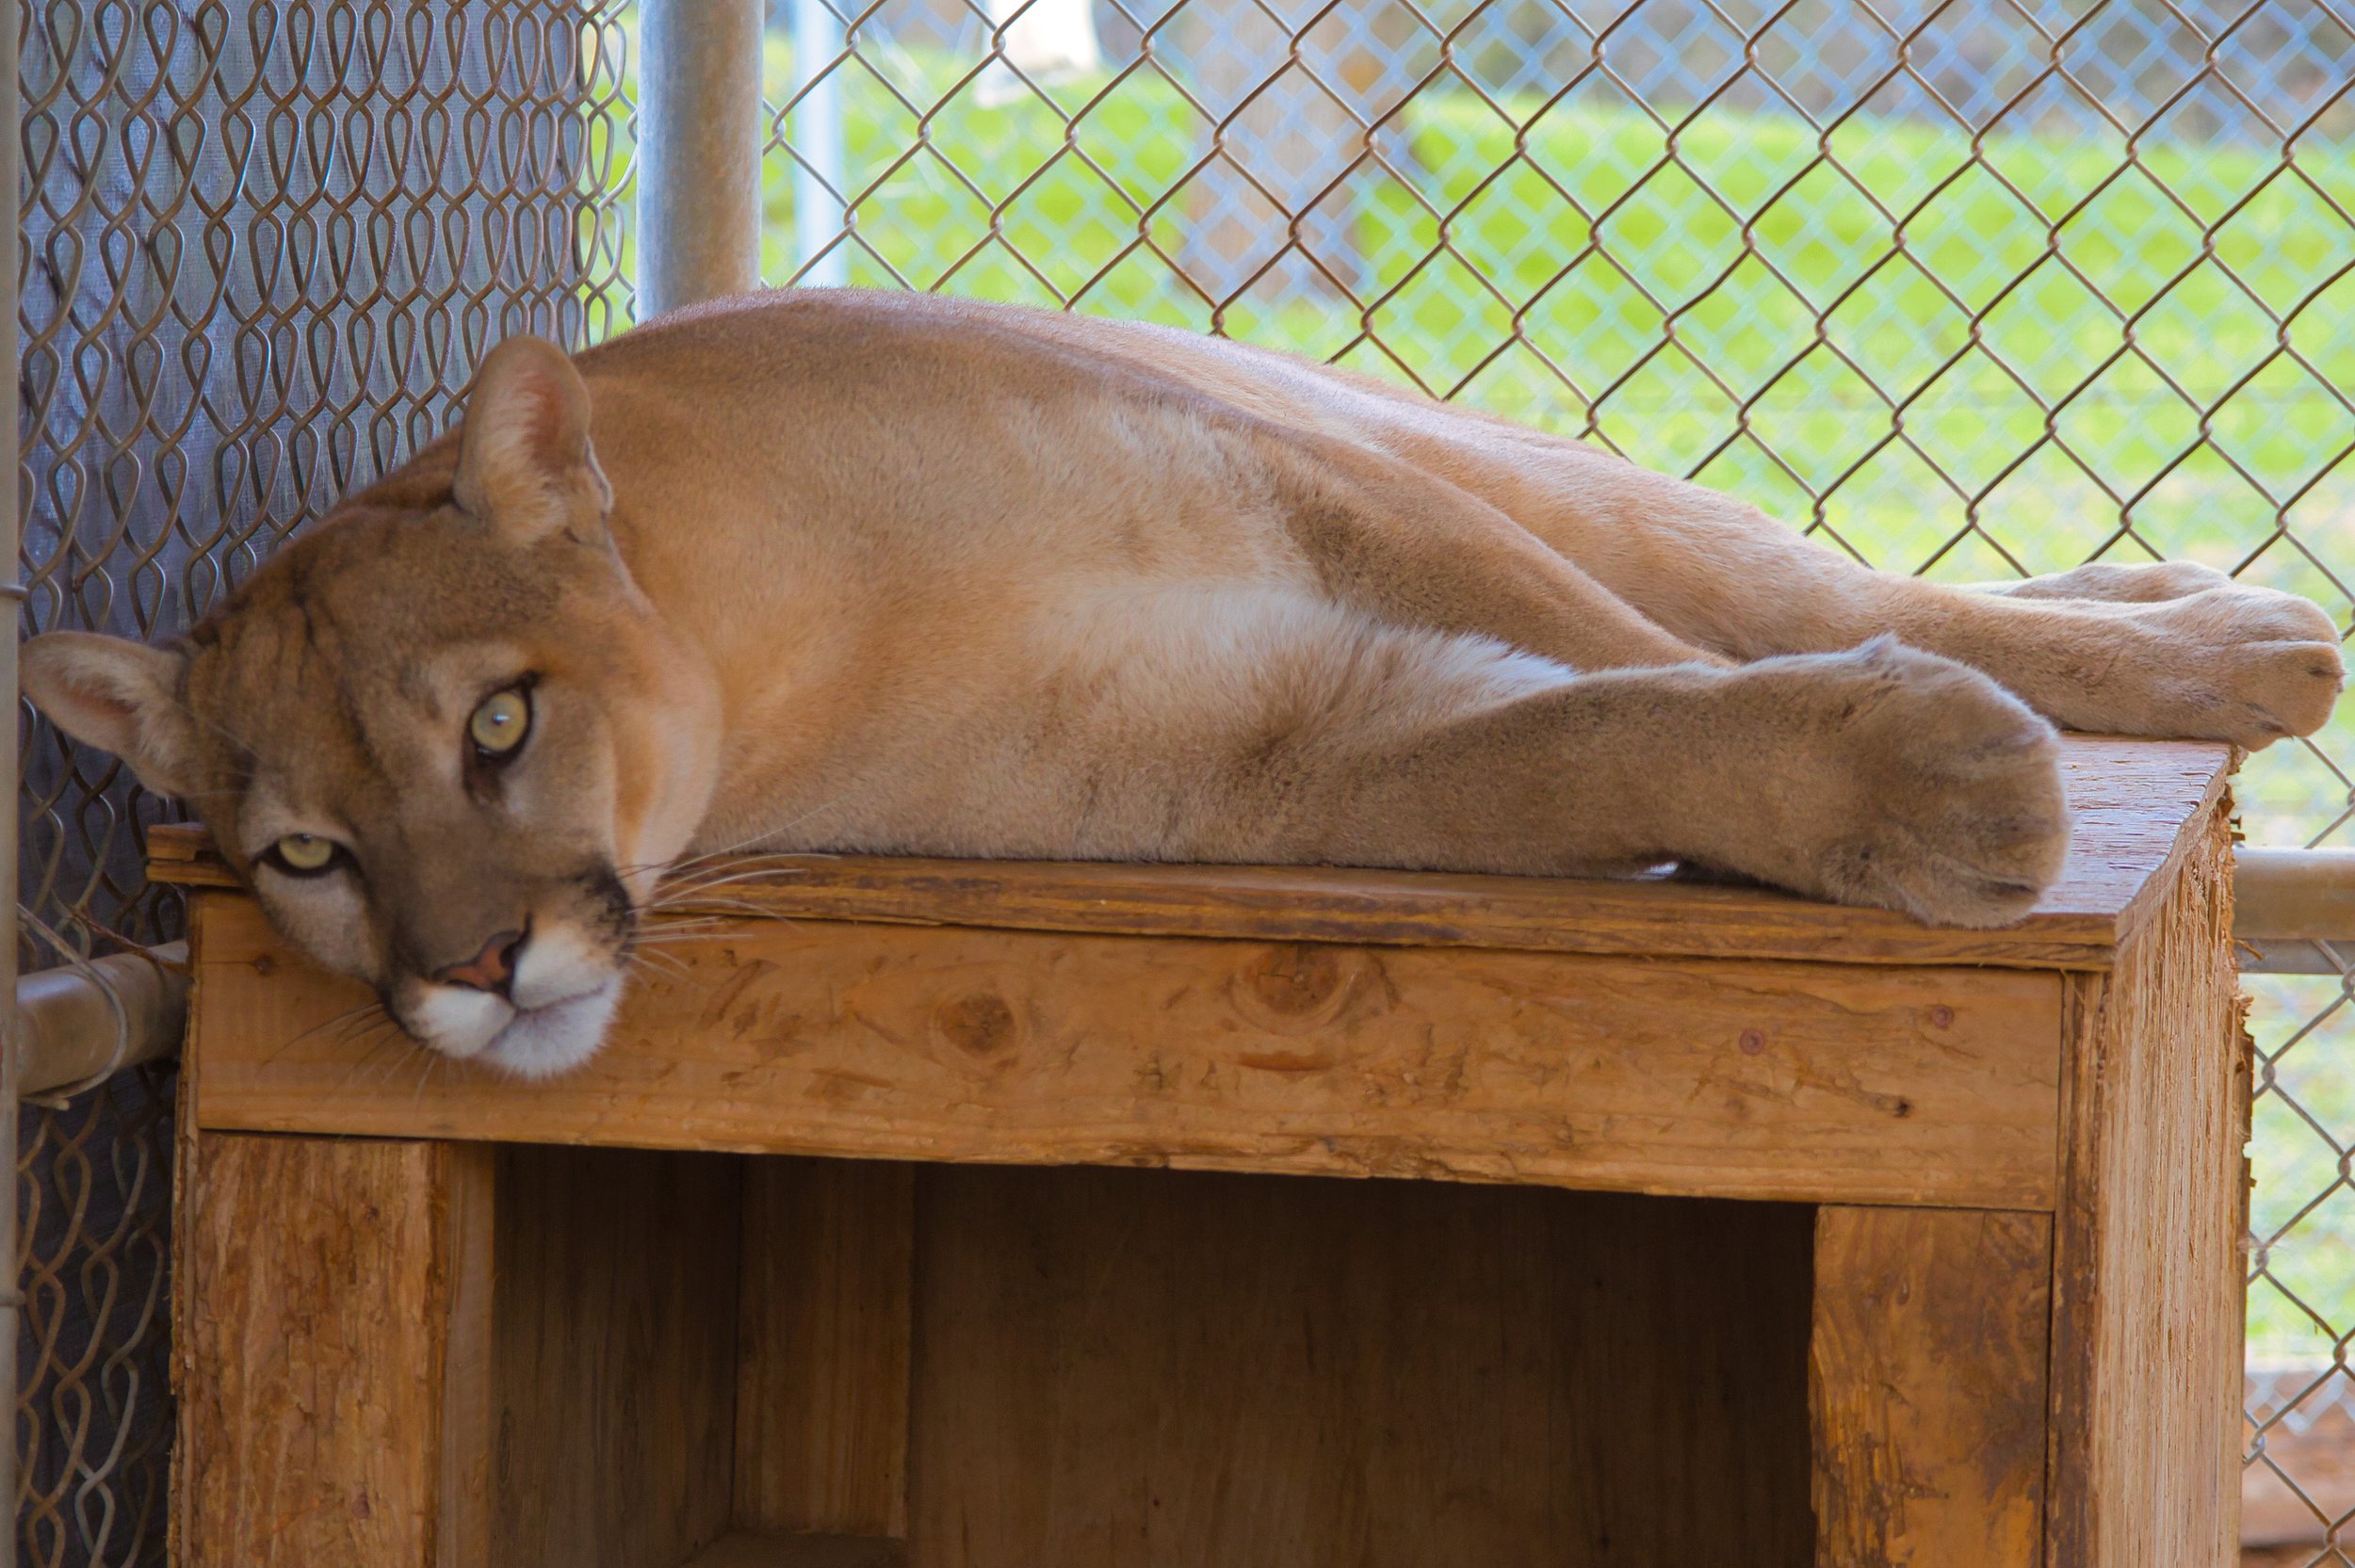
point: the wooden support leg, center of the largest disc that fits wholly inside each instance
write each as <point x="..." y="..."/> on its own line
<point x="334" y="1296"/>
<point x="1926" y="1380"/>
<point x="354" y="1390"/>
<point x="2153" y="1205"/>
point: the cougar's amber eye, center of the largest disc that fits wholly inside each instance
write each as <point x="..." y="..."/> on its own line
<point x="499" y="725"/>
<point x="303" y="855"/>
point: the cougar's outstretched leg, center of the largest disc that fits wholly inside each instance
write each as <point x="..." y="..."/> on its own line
<point x="2243" y="664"/>
<point x="1257" y="722"/>
<point x="2220" y="661"/>
<point x="1882" y="776"/>
<point x="2116" y="582"/>
<point x="1404" y="544"/>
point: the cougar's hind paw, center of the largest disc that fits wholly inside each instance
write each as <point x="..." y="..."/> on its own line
<point x="1954" y="810"/>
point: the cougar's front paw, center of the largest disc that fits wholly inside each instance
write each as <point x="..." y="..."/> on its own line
<point x="1947" y="802"/>
<point x="2245" y="664"/>
<point x="2118" y="582"/>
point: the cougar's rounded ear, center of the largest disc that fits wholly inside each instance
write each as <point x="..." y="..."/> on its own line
<point x="119" y="695"/>
<point x="525" y="465"/>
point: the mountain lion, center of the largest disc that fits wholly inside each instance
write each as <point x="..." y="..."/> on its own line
<point x="834" y="570"/>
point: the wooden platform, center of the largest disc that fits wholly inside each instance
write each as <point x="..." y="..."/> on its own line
<point x="1940" y="1265"/>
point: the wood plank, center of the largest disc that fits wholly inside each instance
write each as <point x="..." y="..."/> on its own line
<point x="1127" y="1369"/>
<point x="801" y="1551"/>
<point x="614" y="1356"/>
<point x="2131" y="798"/>
<point x="1813" y="1082"/>
<point x="319" y="1347"/>
<point x="2147" y="1293"/>
<point x="821" y="1407"/>
<point x="179" y="1550"/>
<point x="1927" y="1387"/>
<point x="470" y="1413"/>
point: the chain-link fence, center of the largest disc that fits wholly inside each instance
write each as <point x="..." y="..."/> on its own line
<point x="1975" y="288"/>
<point x="263" y="242"/>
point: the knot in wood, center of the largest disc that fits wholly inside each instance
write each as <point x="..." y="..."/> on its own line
<point x="1295" y="979"/>
<point x="1301" y="987"/>
<point x="980" y="1024"/>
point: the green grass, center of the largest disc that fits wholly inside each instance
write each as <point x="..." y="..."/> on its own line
<point x="2029" y="309"/>
<point x="2295" y="1155"/>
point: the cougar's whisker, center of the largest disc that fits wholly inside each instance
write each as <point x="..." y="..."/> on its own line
<point x="660" y="963"/>
<point x="433" y="1060"/>
<point x="352" y="1074"/>
<point x="687" y="866"/>
<point x="394" y="1064"/>
<point x="704" y="902"/>
<point x="342" y="1022"/>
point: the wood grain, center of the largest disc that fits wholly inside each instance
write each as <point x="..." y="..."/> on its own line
<point x="821" y="1407"/>
<point x="470" y="1413"/>
<point x="418" y="1352"/>
<point x="1125" y="1370"/>
<point x="2148" y="1295"/>
<point x="614" y="1356"/>
<point x="2132" y="798"/>
<point x="801" y="1551"/>
<point x="1927" y="1387"/>
<point x="316" y="1348"/>
<point x="1814" y="1082"/>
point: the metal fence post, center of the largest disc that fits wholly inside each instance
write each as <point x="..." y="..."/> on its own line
<point x="819" y="216"/>
<point x="699" y="144"/>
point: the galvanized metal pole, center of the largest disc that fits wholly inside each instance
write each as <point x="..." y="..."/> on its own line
<point x="698" y="152"/>
<point x="818" y="212"/>
<point x="2294" y="910"/>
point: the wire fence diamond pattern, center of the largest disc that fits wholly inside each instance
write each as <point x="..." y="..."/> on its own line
<point x="1973" y="288"/>
<point x="260" y="248"/>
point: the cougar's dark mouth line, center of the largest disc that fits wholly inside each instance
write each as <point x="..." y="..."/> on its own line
<point x="604" y="884"/>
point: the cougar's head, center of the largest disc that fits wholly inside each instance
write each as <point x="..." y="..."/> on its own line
<point x="443" y="735"/>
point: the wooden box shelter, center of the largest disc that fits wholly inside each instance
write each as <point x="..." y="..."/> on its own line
<point x="968" y="1215"/>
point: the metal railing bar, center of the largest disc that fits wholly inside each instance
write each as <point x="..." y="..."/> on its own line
<point x="2293" y="910"/>
<point x="77" y="1026"/>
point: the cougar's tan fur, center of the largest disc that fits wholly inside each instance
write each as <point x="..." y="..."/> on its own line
<point x="838" y="569"/>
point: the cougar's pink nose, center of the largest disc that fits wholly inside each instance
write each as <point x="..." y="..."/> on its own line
<point x="491" y="969"/>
